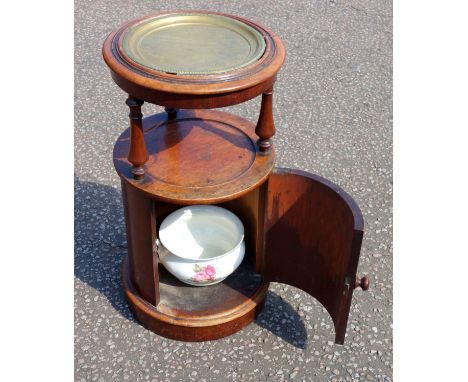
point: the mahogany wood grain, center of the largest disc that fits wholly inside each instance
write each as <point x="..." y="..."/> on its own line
<point x="137" y="153"/>
<point x="265" y="128"/>
<point x="313" y="234"/>
<point x="197" y="101"/>
<point x="201" y="157"/>
<point x="141" y="234"/>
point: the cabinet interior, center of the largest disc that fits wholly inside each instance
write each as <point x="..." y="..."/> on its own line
<point x="249" y="209"/>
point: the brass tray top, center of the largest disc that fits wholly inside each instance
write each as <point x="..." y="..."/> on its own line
<point x="193" y="44"/>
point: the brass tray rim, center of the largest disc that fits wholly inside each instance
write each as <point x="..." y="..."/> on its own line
<point x="259" y="37"/>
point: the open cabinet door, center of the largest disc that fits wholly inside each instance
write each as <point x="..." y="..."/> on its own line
<point x="312" y="240"/>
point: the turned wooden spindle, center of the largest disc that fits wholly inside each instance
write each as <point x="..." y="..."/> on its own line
<point x="363" y="283"/>
<point x="138" y="155"/>
<point x="265" y="126"/>
<point x="171" y="112"/>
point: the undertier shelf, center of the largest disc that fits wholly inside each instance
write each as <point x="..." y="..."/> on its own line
<point x="201" y="157"/>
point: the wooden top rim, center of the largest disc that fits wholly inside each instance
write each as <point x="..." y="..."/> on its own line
<point x="261" y="70"/>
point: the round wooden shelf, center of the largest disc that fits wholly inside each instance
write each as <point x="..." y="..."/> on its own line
<point x="201" y="157"/>
<point x="214" y="311"/>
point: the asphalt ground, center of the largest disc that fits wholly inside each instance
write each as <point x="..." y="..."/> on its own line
<point x="333" y="113"/>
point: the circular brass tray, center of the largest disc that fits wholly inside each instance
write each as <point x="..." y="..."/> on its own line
<point x="193" y="44"/>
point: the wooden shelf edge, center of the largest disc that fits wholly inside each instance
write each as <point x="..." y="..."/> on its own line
<point x="161" y="184"/>
<point x="198" y="328"/>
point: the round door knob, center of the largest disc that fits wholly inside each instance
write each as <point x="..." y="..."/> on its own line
<point x="363" y="283"/>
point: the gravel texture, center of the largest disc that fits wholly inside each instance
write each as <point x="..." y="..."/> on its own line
<point x="333" y="112"/>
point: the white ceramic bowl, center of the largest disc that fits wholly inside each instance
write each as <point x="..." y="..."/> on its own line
<point x="201" y="245"/>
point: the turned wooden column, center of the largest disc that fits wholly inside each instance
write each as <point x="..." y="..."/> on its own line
<point x="265" y="126"/>
<point x="138" y="155"/>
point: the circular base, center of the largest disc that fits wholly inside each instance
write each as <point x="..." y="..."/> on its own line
<point x="188" y="313"/>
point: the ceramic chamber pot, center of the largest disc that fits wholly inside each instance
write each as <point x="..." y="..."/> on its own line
<point x="201" y="245"/>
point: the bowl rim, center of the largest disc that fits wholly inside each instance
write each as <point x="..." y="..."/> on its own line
<point x="230" y="216"/>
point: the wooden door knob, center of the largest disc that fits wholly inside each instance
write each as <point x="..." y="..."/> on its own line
<point x="363" y="283"/>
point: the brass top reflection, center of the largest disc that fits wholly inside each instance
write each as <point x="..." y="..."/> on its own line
<point x="193" y="44"/>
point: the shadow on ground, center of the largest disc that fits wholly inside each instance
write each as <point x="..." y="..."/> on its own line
<point x="100" y="245"/>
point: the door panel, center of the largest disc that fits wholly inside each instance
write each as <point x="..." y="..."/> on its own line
<point x="313" y="235"/>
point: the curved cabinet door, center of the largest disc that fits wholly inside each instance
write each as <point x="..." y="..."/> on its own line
<point x="312" y="240"/>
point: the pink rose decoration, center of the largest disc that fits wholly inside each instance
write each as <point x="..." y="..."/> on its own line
<point x="210" y="271"/>
<point x="200" y="276"/>
<point x="204" y="273"/>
